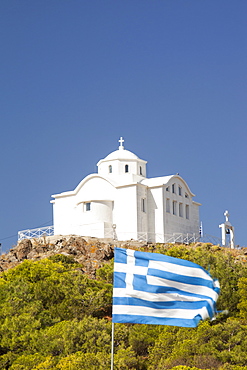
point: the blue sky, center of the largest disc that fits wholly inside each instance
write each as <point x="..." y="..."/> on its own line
<point x="167" y="75"/>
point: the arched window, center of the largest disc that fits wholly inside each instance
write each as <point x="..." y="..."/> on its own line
<point x="126" y="168"/>
<point x="168" y="205"/>
<point x="174" y="207"/>
<point x="179" y="190"/>
<point x="187" y="211"/>
<point x="110" y="168"/>
<point x="143" y="205"/>
<point x="88" y="206"/>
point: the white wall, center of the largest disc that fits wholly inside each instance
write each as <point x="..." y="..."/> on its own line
<point x="70" y="216"/>
<point x="118" y="167"/>
<point x="178" y="223"/>
<point x="142" y="210"/>
<point x="63" y="216"/>
<point x="155" y="208"/>
<point x="95" y="188"/>
<point x="125" y="213"/>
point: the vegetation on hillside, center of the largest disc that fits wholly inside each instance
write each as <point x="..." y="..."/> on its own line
<point x="52" y="316"/>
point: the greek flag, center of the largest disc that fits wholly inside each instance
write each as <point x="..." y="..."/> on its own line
<point x="201" y="231"/>
<point x="152" y="288"/>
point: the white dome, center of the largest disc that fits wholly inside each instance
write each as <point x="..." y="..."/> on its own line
<point x="121" y="154"/>
<point x="121" y="163"/>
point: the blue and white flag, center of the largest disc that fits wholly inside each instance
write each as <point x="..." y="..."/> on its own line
<point x="152" y="288"/>
<point x="201" y="231"/>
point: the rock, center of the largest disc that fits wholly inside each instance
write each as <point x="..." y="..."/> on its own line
<point x="90" y="253"/>
<point x="23" y="249"/>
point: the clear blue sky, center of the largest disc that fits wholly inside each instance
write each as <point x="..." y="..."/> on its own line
<point x="170" y="76"/>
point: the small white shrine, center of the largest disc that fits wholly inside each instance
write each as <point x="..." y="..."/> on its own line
<point x="227" y="229"/>
<point x="121" y="203"/>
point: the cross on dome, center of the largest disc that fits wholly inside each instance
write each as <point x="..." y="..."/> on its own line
<point x="121" y="141"/>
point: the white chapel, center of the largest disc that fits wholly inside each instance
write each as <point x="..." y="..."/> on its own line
<point x="121" y="203"/>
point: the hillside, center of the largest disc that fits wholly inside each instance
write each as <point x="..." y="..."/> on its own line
<point x="91" y="253"/>
<point x="88" y="251"/>
<point x="55" y="311"/>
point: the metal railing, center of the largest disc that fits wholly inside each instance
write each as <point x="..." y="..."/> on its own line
<point x="141" y="236"/>
<point x="36" y="233"/>
<point x="211" y="239"/>
<point x="159" y="238"/>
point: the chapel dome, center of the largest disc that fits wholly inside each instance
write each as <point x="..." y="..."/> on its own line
<point x="120" y="154"/>
<point x="122" y="165"/>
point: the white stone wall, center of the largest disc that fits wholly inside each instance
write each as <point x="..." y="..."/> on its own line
<point x="178" y="222"/>
<point x="156" y="213"/>
<point x="142" y="210"/>
<point x="125" y="213"/>
<point x="70" y="215"/>
<point x="118" y="174"/>
<point x="100" y="211"/>
<point x="64" y="217"/>
<point x="95" y="187"/>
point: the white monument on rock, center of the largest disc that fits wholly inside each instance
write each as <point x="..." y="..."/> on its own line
<point x="227" y="229"/>
<point x="120" y="202"/>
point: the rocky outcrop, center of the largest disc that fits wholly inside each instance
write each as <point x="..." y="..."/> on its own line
<point x="91" y="253"/>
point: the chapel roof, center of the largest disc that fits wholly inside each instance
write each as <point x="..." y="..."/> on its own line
<point x="121" y="154"/>
<point x="163" y="180"/>
<point x="156" y="181"/>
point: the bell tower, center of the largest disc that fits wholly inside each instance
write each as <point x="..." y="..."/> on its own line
<point x="227" y="229"/>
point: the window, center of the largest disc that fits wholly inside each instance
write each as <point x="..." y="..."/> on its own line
<point x="168" y="205"/>
<point x="110" y="169"/>
<point x="87" y="206"/>
<point x="180" y="209"/>
<point x="186" y="195"/>
<point x="174" y="207"/>
<point x="143" y="205"/>
<point x="167" y="188"/>
<point x="126" y="168"/>
<point x="187" y="210"/>
<point x="173" y="189"/>
<point x="179" y="190"/>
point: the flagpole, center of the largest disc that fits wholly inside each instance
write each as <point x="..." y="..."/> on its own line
<point x="112" y="345"/>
